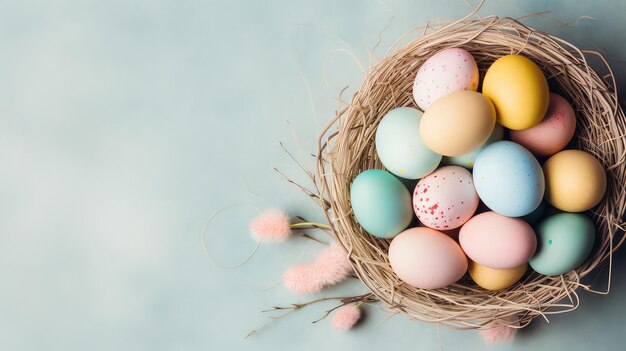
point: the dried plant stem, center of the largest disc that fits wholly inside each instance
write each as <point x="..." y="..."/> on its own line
<point x="309" y="225"/>
<point x="310" y="237"/>
<point x="306" y="225"/>
<point x="359" y="300"/>
<point x="344" y="300"/>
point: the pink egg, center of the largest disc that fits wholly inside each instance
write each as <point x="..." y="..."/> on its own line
<point x="496" y="241"/>
<point x="553" y="133"/>
<point x="445" y="72"/>
<point x="446" y="198"/>
<point x="426" y="259"/>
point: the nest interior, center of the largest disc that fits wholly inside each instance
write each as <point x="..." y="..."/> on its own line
<point x="346" y="148"/>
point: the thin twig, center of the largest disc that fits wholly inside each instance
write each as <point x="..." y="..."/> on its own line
<point x="369" y="297"/>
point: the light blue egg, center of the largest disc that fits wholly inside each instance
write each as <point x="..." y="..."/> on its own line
<point x="467" y="160"/>
<point x="564" y="241"/>
<point x="381" y="203"/>
<point x="508" y="179"/>
<point x="400" y="147"/>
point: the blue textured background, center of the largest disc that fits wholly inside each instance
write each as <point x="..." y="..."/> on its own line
<point x="123" y="124"/>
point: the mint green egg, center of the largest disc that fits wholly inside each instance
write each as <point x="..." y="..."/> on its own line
<point x="564" y="241"/>
<point x="467" y="160"/>
<point x="381" y="203"/>
<point x="400" y="147"/>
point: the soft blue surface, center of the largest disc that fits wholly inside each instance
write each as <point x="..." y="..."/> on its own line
<point x="508" y="179"/>
<point x="123" y="124"/>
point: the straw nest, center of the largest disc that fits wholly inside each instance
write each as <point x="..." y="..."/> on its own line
<point x="346" y="148"/>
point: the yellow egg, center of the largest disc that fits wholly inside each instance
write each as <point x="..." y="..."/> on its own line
<point x="457" y="123"/>
<point x="518" y="90"/>
<point x="495" y="279"/>
<point x="575" y="180"/>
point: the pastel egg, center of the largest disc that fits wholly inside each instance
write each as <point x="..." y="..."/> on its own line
<point x="457" y="123"/>
<point x="447" y="71"/>
<point x="381" y="203"/>
<point x="399" y="146"/>
<point x="495" y="279"/>
<point x="427" y="259"/>
<point x="446" y="198"/>
<point x="518" y="90"/>
<point x="508" y="179"/>
<point x="467" y="160"/>
<point x="565" y="242"/>
<point x="575" y="180"/>
<point x="553" y="133"/>
<point x="496" y="241"/>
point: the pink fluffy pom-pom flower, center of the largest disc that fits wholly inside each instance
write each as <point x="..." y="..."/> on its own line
<point x="330" y="267"/>
<point x="498" y="332"/>
<point x="302" y="279"/>
<point x="346" y="317"/>
<point x="271" y="226"/>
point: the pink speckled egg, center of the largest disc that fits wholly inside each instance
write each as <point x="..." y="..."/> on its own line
<point x="447" y="71"/>
<point x="496" y="241"/>
<point x="446" y="198"/>
<point x="553" y="133"/>
<point x="426" y="259"/>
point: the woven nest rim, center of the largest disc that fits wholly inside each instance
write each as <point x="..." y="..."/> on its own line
<point x="346" y="148"/>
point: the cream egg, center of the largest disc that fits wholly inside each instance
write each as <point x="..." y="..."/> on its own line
<point x="458" y="123"/>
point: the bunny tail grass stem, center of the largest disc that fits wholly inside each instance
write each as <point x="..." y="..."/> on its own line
<point x="297" y="306"/>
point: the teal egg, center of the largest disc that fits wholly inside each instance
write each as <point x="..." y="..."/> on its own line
<point x="381" y="203"/>
<point x="564" y="242"/>
<point x="467" y="160"/>
<point x="508" y="179"/>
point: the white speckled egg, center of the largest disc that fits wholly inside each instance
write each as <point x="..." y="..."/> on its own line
<point x="400" y="147"/>
<point x="446" y="198"/>
<point x="447" y="71"/>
